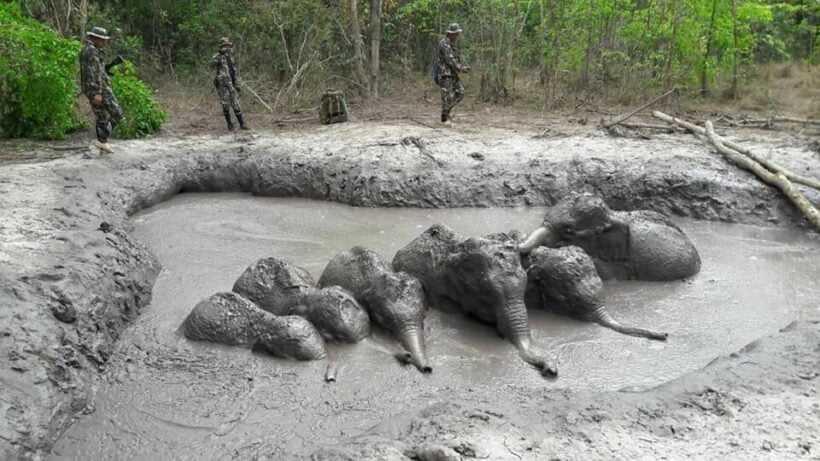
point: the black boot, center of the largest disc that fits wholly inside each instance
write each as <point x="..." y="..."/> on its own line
<point x="227" y="115"/>
<point x="241" y="120"/>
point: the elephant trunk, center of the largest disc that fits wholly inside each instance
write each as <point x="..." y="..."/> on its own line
<point x="603" y="318"/>
<point x="543" y="236"/>
<point x="514" y="325"/>
<point x="412" y="339"/>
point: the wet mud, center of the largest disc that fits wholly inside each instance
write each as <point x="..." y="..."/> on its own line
<point x="74" y="278"/>
<point x="204" y="240"/>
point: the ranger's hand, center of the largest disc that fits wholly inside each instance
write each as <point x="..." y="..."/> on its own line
<point x="465" y="69"/>
<point x="97" y="101"/>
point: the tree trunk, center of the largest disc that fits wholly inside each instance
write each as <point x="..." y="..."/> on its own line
<point x="733" y="89"/>
<point x="358" y="56"/>
<point x="704" y="84"/>
<point x="375" y="44"/>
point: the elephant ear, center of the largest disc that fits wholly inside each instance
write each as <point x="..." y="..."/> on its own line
<point x="613" y="244"/>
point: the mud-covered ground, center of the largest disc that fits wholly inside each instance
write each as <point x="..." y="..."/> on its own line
<point x="73" y="278"/>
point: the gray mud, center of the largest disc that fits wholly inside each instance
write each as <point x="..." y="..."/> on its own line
<point x="73" y="277"/>
<point x="162" y="399"/>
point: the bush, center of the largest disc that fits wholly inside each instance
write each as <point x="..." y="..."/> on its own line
<point x="142" y="115"/>
<point x="37" y="78"/>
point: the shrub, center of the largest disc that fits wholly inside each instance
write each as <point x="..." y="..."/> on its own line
<point x="37" y="78"/>
<point x="142" y="115"/>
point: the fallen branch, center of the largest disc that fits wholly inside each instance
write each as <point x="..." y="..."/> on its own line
<point x="623" y="118"/>
<point x="257" y="96"/>
<point x="775" y="179"/>
<point x="775" y="168"/>
<point x="650" y="126"/>
<point x="294" y="120"/>
<point x="772" y="120"/>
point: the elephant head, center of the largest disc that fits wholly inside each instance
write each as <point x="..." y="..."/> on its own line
<point x="583" y="220"/>
<point x="485" y="279"/>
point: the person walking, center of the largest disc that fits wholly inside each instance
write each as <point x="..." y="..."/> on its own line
<point x="97" y="87"/>
<point x="227" y="83"/>
<point x="449" y="68"/>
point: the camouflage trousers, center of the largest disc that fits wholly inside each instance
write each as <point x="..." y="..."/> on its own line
<point x="228" y="97"/>
<point x="452" y="92"/>
<point x="108" y="115"/>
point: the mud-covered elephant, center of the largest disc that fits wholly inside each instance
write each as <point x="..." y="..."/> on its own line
<point x="564" y="281"/>
<point x="394" y="300"/>
<point x="640" y="245"/>
<point x="480" y="277"/>
<point x="283" y="288"/>
<point x="231" y="319"/>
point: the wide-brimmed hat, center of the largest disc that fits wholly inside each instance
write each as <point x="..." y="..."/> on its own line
<point x="224" y="42"/>
<point x="98" y="32"/>
<point x="454" y="28"/>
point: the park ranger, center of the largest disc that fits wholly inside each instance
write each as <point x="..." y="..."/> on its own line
<point x="227" y="83"/>
<point x="97" y="87"/>
<point x="449" y="68"/>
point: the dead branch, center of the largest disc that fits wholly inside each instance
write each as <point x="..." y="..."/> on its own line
<point x="775" y="179"/>
<point x="651" y="126"/>
<point x="257" y="97"/>
<point x="293" y="120"/>
<point x="769" y="122"/>
<point x="775" y="168"/>
<point x="623" y="118"/>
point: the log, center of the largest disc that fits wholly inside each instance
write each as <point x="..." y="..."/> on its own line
<point x="775" y="179"/>
<point x="773" y="120"/>
<point x="775" y="168"/>
<point x="623" y="118"/>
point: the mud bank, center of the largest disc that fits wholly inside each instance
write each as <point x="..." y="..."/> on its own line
<point x="73" y="277"/>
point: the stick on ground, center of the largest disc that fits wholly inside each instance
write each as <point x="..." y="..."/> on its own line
<point x="775" y="168"/>
<point x="775" y="179"/>
<point x="623" y="118"/>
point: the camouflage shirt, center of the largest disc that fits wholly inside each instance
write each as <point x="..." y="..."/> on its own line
<point x="224" y="68"/>
<point x="93" y="77"/>
<point x="448" y="58"/>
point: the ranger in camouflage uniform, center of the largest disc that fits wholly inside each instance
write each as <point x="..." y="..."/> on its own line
<point x="449" y="67"/>
<point x="97" y="87"/>
<point x="227" y="84"/>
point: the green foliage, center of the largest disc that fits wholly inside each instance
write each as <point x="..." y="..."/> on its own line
<point x="37" y="78"/>
<point x="142" y="116"/>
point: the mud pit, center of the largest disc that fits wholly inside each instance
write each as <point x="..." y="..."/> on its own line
<point x="74" y="278"/>
<point x="173" y="396"/>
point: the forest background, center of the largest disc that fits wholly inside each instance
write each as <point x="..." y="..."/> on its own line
<point x="542" y="54"/>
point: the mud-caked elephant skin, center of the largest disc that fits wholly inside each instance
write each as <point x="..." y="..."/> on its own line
<point x="336" y="314"/>
<point x="639" y="245"/>
<point x="394" y="300"/>
<point x="228" y="318"/>
<point x="275" y="285"/>
<point x="564" y="281"/>
<point x="480" y="277"/>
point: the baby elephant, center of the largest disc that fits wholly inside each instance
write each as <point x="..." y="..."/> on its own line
<point x="228" y="318"/>
<point x="640" y="245"/>
<point x="283" y="288"/>
<point x="395" y="301"/>
<point x="479" y="277"/>
<point x="564" y="281"/>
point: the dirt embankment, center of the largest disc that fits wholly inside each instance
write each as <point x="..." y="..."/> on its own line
<point x="73" y="277"/>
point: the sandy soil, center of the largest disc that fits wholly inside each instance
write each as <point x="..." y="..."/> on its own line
<point x="73" y="277"/>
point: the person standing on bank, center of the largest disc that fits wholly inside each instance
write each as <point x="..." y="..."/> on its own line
<point x="449" y="68"/>
<point x="97" y="87"/>
<point x="227" y="83"/>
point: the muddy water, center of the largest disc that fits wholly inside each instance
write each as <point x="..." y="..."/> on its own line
<point x="168" y="397"/>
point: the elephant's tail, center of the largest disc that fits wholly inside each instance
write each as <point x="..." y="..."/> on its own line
<point x="602" y="317"/>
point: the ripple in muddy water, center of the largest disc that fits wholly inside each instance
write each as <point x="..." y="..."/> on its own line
<point x="168" y="397"/>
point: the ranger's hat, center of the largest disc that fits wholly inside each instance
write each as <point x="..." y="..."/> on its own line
<point x="454" y="28"/>
<point x="98" y="32"/>
<point x="224" y="42"/>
